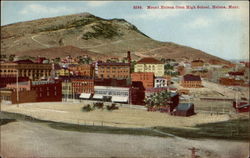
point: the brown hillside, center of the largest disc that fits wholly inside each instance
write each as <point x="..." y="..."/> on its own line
<point x="97" y="36"/>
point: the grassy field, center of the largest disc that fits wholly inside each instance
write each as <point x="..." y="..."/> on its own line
<point x="236" y="129"/>
<point x="232" y="130"/>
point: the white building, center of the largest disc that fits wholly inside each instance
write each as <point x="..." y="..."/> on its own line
<point x="160" y="82"/>
<point x="115" y="94"/>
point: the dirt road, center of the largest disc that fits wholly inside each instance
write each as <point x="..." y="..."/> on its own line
<point x="26" y="139"/>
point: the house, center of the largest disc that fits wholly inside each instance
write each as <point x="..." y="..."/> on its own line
<point x="146" y="78"/>
<point x="243" y="108"/>
<point x="197" y="63"/>
<point x="150" y="65"/>
<point x="191" y="81"/>
<point x="184" y="109"/>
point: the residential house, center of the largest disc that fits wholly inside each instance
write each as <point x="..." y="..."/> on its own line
<point x="191" y="81"/>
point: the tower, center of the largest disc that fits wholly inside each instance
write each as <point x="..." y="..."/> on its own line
<point x="128" y="57"/>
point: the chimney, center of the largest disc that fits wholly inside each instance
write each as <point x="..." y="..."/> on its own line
<point x="128" y="57"/>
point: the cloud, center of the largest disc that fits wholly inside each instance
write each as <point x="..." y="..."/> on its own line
<point x="44" y="10"/>
<point x="97" y="3"/>
<point x="199" y="22"/>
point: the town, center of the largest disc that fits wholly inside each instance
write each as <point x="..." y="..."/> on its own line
<point x="164" y="85"/>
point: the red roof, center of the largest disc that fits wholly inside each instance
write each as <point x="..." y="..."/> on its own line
<point x="113" y="64"/>
<point x="190" y="77"/>
<point x="149" y="61"/>
<point x="236" y="73"/>
<point x="27" y="61"/>
<point x="198" y="61"/>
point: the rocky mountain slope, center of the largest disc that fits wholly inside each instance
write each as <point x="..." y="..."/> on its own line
<point x="93" y="35"/>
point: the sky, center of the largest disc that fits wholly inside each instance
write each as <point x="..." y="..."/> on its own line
<point x="219" y="32"/>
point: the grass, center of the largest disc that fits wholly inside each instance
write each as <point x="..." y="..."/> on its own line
<point x="6" y="121"/>
<point x="83" y="128"/>
<point x="228" y="130"/>
<point x="105" y="129"/>
<point x="236" y="129"/>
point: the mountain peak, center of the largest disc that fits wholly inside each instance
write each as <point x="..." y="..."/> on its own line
<point x="112" y="37"/>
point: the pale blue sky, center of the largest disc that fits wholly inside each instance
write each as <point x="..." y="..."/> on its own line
<point x="220" y="32"/>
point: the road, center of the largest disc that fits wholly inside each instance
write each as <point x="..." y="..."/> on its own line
<point x="26" y="139"/>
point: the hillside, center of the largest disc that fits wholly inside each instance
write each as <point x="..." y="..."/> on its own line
<point x="94" y="35"/>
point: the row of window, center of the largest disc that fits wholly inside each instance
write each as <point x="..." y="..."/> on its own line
<point x="115" y="76"/>
<point x="105" y="92"/>
<point x="126" y="71"/>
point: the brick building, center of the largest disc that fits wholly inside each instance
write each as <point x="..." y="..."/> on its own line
<point x="46" y="91"/>
<point x="83" y="85"/>
<point x="231" y="82"/>
<point x="25" y="68"/>
<point x="82" y="70"/>
<point x="191" y="81"/>
<point x="147" y="78"/>
<point x="150" y="65"/>
<point x="9" y="80"/>
<point x="113" y="70"/>
<point x="137" y="93"/>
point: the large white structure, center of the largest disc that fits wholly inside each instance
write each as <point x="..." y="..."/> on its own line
<point x="116" y="94"/>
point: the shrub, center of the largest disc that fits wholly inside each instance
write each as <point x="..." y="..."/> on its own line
<point x="87" y="108"/>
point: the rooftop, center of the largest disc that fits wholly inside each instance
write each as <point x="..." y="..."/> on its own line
<point x="149" y="60"/>
<point x="184" y="106"/>
<point x="190" y="77"/>
<point x="112" y="64"/>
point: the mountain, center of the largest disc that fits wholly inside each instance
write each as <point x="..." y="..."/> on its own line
<point x="86" y="33"/>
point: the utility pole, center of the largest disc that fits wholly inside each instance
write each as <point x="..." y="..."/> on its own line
<point x="17" y="89"/>
<point x="193" y="150"/>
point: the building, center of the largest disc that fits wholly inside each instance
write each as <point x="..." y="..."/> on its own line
<point x="25" y="68"/>
<point x="82" y="70"/>
<point x="62" y="72"/>
<point x="184" y="109"/>
<point x="160" y="82"/>
<point x="150" y="65"/>
<point x="197" y="63"/>
<point x="137" y="93"/>
<point x="46" y="91"/>
<point x="111" y="82"/>
<point x="10" y="80"/>
<point x="181" y="70"/>
<point x="231" y="82"/>
<point x="10" y="96"/>
<point x="82" y="85"/>
<point x="243" y="108"/>
<point x="67" y="90"/>
<point x="147" y="78"/>
<point x="113" y="70"/>
<point x="191" y="81"/>
<point x="114" y="94"/>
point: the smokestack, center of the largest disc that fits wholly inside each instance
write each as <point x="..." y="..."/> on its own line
<point x="128" y="57"/>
